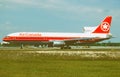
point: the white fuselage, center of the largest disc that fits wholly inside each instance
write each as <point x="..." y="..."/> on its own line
<point x="51" y="36"/>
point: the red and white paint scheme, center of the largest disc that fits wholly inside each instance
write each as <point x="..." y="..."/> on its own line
<point x="90" y="35"/>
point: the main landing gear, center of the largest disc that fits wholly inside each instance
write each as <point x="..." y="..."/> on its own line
<point x="65" y="47"/>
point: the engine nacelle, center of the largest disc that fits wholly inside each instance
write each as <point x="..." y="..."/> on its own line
<point x="56" y="43"/>
<point x="5" y="43"/>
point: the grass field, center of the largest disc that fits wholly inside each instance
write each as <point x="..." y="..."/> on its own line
<point x="19" y="64"/>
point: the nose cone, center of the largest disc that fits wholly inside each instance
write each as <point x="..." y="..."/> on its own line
<point x="6" y="38"/>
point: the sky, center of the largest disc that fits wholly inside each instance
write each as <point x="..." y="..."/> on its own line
<point x="57" y="15"/>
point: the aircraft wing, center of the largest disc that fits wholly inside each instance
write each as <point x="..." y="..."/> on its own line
<point x="71" y="41"/>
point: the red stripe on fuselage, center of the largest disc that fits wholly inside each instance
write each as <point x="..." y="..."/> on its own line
<point x="8" y="39"/>
<point x="47" y="39"/>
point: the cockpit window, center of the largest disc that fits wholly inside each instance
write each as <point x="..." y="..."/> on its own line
<point x="6" y="36"/>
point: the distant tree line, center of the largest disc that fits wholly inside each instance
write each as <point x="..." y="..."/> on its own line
<point x="100" y="44"/>
<point x="80" y="44"/>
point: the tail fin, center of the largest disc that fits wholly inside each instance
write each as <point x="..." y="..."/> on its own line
<point x="104" y="27"/>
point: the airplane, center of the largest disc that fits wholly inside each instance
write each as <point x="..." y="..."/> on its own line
<point x="63" y="40"/>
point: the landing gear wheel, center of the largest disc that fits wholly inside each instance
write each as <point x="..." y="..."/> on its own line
<point x="62" y="48"/>
<point x="69" y="47"/>
<point x="66" y="47"/>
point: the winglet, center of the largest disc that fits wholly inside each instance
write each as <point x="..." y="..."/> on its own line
<point x="104" y="27"/>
